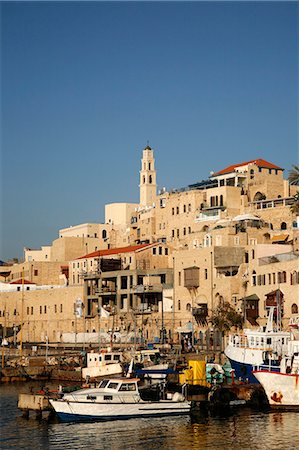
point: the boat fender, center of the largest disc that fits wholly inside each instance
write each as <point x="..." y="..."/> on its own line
<point x="177" y="397"/>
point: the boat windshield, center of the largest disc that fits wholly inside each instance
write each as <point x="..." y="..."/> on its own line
<point x="103" y="383"/>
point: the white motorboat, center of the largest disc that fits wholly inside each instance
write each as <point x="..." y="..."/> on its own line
<point x="102" y="364"/>
<point x="282" y="387"/>
<point x="256" y="347"/>
<point x="117" y="398"/>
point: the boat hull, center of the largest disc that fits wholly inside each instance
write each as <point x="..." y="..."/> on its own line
<point x="79" y="411"/>
<point x="244" y="360"/>
<point x="282" y="389"/>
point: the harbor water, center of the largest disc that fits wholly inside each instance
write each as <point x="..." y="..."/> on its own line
<point x="242" y="428"/>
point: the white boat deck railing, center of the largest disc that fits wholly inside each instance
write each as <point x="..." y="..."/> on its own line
<point x="241" y="341"/>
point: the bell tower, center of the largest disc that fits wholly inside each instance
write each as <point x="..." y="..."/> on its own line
<point x="148" y="186"/>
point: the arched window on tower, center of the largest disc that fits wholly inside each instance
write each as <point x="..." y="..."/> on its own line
<point x="150" y="179"/>
<point x="144" y="180"/>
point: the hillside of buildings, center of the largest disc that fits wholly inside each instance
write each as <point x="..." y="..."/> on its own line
<point x="158" y="270"/>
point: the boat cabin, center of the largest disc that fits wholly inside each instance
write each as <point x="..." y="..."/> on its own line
<point x="101" y="358"/>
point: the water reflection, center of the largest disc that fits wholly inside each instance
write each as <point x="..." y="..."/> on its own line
<point x="244" y="429"/>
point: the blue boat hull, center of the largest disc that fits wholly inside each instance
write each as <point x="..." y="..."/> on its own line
<point x="63" y="417"/>
<point x="243" y="372"/>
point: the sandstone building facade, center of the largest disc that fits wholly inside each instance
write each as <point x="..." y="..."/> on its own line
<point x="162" y="266"/>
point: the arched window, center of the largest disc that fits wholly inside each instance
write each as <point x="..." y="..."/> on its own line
<point x="294" y="308"/>
<point x="144" y="180"/>
<point x="179" y="305"/>
<point x="251" y="173"/>
<point x="283" y="226"/>
<point x="221" y="200"/>
<point x="104" y="234"/>
<point x="150" y="179"/>
<point x="188" y="307"/>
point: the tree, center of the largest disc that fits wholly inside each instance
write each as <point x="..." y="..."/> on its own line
<point x="224" y="317"/>
<point x="295" y="205"/>
<point x="294" y="175"/>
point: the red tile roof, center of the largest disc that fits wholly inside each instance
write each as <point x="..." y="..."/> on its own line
<point x="115" y="251"/>
<point x="20" y="281"/>
<point x="258" y="162"/>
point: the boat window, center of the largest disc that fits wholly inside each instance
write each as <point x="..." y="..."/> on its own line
<point x="128" y="387"/>
<point x="108" y="397"/>
<point x="108" y="357"/>
<point x="103" y="383"/>
<point x="116" y="357"/>
<point x="112" y="385"/>
<point x="91" y="397"/>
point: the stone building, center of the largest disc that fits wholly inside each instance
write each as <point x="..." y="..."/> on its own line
<point x="163" y="265"/>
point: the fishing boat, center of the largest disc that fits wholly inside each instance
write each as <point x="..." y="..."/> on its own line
<point x="116" y="398"/>
<point x="256" y="347"/>
<point x="282" y="386"/>
<point x="102" y="364"/>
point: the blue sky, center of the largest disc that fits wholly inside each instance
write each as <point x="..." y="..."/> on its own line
<point x="85" y="85"/>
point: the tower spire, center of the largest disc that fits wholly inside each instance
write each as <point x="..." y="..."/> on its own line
<point x="148" y="186"/>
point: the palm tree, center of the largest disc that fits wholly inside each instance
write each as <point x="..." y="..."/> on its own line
<point x="295" y="205"/>
<point x="294" y="175"/>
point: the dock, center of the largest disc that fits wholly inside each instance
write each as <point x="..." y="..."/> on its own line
<point x="34" y="403"/>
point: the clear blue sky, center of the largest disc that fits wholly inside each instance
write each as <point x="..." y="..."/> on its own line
<point x="85" y="85"/>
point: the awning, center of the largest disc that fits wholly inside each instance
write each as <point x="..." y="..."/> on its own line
<point x="246" y="217"/>
<point x="186" y="329"/>
<point x="280" y="238"/>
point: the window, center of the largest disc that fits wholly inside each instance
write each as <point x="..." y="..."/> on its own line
<point x="166" y="251"/>
<point x="184" y="231"/>
<point x="254" y="278"/>
<point x="45" y="309"/>
<point x="35" y="272"/>
<point x="189" y="230"/>
<point x="162" y="202"/>
<point x="180" y="278"/>
<point x="154" y="250"/>
<point x="177" y="210"/>
<point x="32" y="310"/>
<point x="189" y="207"/>
<point x="104" y="234"/>
<point x="61" y="308"/>
<point x="294" y="308"/>
<point x="40" y="309"/>
<point x="206" y="274"/>
<point x="27" y="310"/>
<point x="178" y="233"/>
<point x="184" y="208"/>
<point x="283" y="226"/>
<point x="55" y="308"/>
<point x="160" y="250"/>
<point x="172" y="211"/>
<point x="251" y="174"/>
<point x="188" y="307"/>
